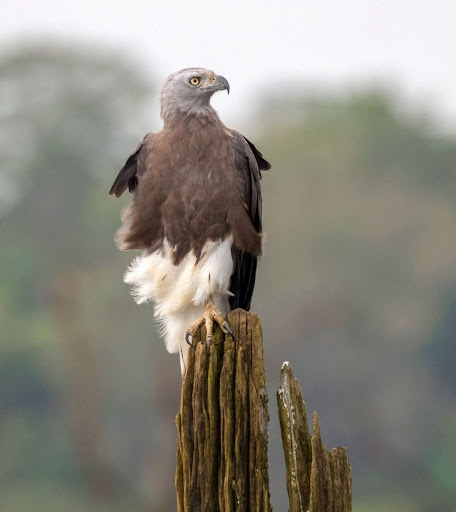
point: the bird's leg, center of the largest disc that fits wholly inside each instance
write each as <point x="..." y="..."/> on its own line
<point x="211" y="314"/>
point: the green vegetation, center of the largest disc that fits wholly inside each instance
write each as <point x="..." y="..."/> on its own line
<point x="356" y="289"/>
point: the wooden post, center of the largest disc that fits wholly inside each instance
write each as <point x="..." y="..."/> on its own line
<point x="222" y="425"/>
<point x="317" y="481"/>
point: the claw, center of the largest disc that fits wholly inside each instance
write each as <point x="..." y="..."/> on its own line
<point x="228" y="328"/>
<point x="210" y="316"/>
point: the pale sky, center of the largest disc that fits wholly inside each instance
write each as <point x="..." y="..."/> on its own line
<point x="259" y="44"/>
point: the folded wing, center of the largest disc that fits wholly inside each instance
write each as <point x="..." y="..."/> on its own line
<point x="249" y="163"/>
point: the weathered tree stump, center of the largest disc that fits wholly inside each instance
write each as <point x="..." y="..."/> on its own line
<point x="222" y="425"/>
<point x="317" y="481"/>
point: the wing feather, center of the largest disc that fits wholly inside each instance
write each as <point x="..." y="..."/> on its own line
<point x="249" y="163"/>
<point x="263" y="165"/>
<point x="127" y="177"/>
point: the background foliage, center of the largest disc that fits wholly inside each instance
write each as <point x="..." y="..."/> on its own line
<point x="357" y="289"/>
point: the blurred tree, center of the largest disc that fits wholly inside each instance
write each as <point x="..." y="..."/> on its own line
<point x="64" y="111"/>
<point x="441" y="353"/>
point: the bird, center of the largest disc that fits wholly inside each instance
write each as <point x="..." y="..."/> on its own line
<point x="195" y="214"/>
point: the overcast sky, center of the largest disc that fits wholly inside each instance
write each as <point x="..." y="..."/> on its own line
<point x="258" y="44"/>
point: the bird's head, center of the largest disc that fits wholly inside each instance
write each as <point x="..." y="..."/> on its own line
<point x="190" y="90"/>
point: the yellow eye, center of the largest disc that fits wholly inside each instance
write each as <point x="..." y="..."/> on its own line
<point x="195" y="80"/>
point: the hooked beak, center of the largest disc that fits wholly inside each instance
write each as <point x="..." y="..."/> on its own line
<point x="222" y="84"/>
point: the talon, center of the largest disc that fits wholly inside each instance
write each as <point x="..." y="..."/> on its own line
<point x="210" y="316"/>
<point x="228" y="328"/>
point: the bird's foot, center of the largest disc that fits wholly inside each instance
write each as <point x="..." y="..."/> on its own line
<point x="211" y="314"/>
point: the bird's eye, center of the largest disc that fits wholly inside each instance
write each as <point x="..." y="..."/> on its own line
<point x="195" y="80"/>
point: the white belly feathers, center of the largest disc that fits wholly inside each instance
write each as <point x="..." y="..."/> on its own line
<point x="180" y="291"/>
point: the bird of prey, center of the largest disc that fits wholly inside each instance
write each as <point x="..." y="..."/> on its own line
<point x="195" y="213"/>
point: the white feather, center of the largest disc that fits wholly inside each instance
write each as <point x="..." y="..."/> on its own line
<point x="181" y="291"/>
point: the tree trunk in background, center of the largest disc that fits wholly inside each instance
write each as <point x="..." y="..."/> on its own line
<point x="84" y="391"/>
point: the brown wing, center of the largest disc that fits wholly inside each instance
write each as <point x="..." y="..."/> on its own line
<point x="249" y="164"/>
<point x="263" y="165"/>
<point x="127" y="177"/>
<point x="141" y="227"/>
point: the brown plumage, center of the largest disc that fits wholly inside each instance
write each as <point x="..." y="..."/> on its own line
<point x="193" y="182"/>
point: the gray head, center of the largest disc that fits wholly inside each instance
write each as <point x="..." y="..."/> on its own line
<point x="190" y="90"/>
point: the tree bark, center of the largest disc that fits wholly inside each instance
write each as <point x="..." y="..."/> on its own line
<point x="317" y="481"/>
<point x="222" y="425"/>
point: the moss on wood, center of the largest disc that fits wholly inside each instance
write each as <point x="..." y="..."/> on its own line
<point x="317" y="481"/>
<point x="222" y="426"/>
<point x="222" y="423"/>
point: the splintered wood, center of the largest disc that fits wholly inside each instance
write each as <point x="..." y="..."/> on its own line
<point x="222" y="462"/>
<point x="317" y="481"/>
<point x="222" y="425"/>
